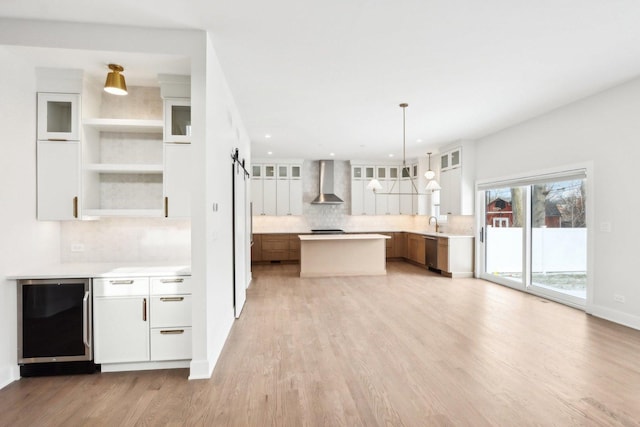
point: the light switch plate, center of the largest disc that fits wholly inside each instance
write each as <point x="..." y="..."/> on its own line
<point x="605" y="227"/>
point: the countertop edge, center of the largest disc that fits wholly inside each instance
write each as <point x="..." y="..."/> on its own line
<point x="81" y="271"/>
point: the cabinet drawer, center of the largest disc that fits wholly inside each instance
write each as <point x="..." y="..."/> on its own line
<point x="275" y="255"/>
<point x="170" y="310"/>
<point x="171" y="285"/>
<point x="275" y="242"/>
<point x="170" y="343"/>
<point x="120" y="286"/>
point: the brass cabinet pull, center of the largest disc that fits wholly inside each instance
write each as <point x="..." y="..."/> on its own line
<point x="75" y="207"/>
<point x="144" y="309"/>
<point x="177" y="280"/>
<point x="169" y="299"/>
<point x="121" y="282"/>
<point x="166" y="207"/>
<point x="172" y="332"/>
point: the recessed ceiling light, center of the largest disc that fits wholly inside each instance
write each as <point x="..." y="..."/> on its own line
<point x="269" y="152"/>
<point x="390" y="155"/>
<point x="418" y="140"/>
<point x="267" y="136"/>
<point x="332" y="154"/>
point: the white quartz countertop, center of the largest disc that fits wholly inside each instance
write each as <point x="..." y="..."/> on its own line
<point x="342" y="236"/>
<point x="85" y="270"/>
<point x="447" y="235"/>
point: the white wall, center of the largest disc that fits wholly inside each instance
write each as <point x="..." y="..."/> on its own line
<point x="212" y="231"/>
<point x="23" y="240"/>
<point x="602" y="129"/>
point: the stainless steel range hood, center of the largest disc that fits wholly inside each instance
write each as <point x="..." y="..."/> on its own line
<point x="326" y="195"/>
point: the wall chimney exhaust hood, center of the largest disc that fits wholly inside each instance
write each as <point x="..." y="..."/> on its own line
<point x="326" y="194"/>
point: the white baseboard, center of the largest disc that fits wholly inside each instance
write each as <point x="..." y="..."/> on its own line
<point x="203" y="369"/>
<point x="200" y="370"/>
<point x="8" y="375"/>
<point x="143" y="366"/>
<point x="615" y="316"/>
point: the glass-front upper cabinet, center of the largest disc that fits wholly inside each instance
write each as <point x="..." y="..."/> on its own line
<point x="283" y="172"/>
<point x="177" y="120"/>
<point x="296" y="172"/>
<point x="58" y="116"/>
<point x="256" y="171"/>
<point x="369" y="172"/>
<point x="269" y="171"/>
<point x="356" y="172"/>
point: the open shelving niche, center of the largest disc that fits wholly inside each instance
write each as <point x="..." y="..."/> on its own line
<point x="122" y="167"/>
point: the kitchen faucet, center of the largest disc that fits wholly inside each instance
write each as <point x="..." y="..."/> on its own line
<point x="437" y="227"/>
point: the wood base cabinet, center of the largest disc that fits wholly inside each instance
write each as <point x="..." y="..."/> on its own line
<point x="416" y="248"/>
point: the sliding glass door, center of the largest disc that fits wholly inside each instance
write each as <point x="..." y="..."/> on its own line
<point x="559" y="239"/>
<point x="534" y="235"/>
<point x="504" y="221"/>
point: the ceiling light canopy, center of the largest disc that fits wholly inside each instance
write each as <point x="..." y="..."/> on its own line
<point x="115" y="83"/>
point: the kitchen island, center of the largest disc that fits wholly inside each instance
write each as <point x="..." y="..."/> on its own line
<point x="328" y="255"/>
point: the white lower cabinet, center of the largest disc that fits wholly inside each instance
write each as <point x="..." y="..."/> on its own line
<point x="121" y="320"/>
<point x="142" y="319"/>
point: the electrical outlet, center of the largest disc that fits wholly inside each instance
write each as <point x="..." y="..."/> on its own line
<point x="77" y="247"/>
<point x="605" y="227"/>
<point x="619" y="298"/>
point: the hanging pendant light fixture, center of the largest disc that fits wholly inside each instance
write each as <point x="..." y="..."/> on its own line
<point x="115" y="83"/>
<point x="432" y="185"/>
<point x="375" y="185"/>
<point x="429" y="174"/>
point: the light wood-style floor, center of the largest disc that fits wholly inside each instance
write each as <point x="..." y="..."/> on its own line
<point x="408" y="349"/>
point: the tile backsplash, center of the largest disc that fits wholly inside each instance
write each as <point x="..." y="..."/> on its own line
<point x="127" y="240"/>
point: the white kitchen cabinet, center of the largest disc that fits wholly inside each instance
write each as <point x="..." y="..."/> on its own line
<point x="141" y="320"/>
<point x="450" y="202"/>
<point x="59" y="116"/>
<point x="457" y="193"/>
<point x="276" y="189"/>
<point x="58" y="180"/>
<point x="363" y="199"/>
<point x="451" y="159"/>
<point x="121" y="320"/>
<point x="387" y="199"/>
<point x="177" y="180"/>
<point x="177" y="120"/>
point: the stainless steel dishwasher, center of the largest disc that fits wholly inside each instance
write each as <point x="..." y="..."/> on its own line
<point x="431" y="249"/>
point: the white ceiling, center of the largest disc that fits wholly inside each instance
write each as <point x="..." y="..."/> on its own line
<point x="327" y="76"/>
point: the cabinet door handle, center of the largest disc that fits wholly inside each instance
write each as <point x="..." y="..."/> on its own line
<point x="85" y="320"/>
<point x="170" y="299"/>
<point x="176" y="280"/>
<point x="144" y="309"/>
<point x="75" y="207"/>
<point x="172" y="332"/>
<point x="166" y="207"/>
<point x="121" y="282"/>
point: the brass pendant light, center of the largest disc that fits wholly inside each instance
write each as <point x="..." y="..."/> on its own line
<point x="115" y="83"/>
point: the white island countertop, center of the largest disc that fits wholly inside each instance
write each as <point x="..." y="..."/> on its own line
<point x="85" y="270"/>
<point x="342" y="236"/>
